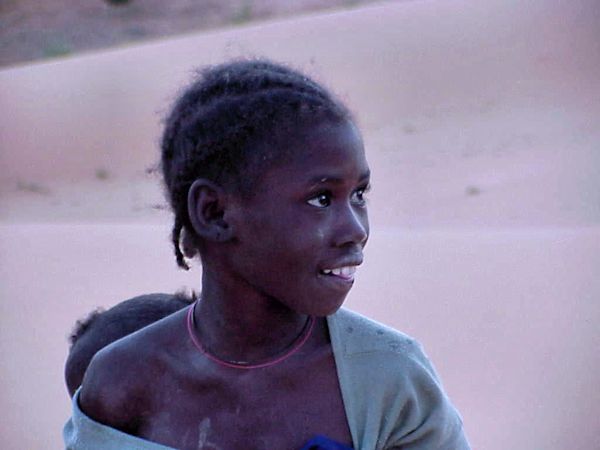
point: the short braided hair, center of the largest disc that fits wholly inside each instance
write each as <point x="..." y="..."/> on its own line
<point x="215" y="128"/>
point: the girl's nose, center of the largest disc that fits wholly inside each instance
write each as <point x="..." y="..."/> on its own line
<point x="353" y="227"/>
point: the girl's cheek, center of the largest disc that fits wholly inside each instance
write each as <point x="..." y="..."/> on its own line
<point x="320" y="233"/>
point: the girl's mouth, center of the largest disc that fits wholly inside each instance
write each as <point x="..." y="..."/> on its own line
<point x="345" y="273"/>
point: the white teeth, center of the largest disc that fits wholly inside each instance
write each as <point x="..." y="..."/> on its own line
<point x="345" y="272"/>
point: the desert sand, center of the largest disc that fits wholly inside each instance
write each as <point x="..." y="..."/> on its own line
<point x="480" y="121"/>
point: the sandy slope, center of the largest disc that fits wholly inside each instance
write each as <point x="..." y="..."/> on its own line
<point x="33" y="29"/>
<point x="480" y="120"/>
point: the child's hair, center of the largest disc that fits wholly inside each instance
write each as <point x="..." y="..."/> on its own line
<point x="101" y="328"/>
<point x="216" y="128"/>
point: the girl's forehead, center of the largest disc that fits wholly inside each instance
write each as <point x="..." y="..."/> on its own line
<point x="327" y="152"/>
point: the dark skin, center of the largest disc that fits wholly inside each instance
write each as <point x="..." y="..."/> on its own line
<point x="269" y="262"/>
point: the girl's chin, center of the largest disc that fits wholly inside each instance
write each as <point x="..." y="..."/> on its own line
<point x="322" y="310"/>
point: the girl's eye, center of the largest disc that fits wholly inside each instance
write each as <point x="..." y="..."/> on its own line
<point x="322" y="200"/>
<point x="358" y="196"/>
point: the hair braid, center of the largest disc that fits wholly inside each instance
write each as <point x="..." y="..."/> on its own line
<point x="176" y="238"/>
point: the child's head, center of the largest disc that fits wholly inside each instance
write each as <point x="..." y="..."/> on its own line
<point x="101" y="328"/>
<point x="232" y="124"/>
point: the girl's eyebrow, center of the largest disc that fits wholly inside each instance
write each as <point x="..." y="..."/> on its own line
<point x="329" y="179"/>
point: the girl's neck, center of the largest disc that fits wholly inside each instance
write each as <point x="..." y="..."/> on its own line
<point x="240" y="324"/>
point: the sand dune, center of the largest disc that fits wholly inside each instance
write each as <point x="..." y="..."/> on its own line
<point x="480" y="122"/>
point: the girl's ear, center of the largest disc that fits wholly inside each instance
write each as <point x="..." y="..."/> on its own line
<point x="206" y="207"/>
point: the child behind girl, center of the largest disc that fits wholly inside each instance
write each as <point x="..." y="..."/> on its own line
<point x="101" y="328"/>
<point x="267" y="178"/>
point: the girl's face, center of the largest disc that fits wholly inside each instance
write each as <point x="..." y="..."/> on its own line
<point x="300" y="236"/>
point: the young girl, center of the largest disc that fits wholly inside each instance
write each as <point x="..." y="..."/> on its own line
<point x="266" y="175"/>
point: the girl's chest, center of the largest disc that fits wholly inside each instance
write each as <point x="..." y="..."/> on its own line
<point x="255" y="411"/>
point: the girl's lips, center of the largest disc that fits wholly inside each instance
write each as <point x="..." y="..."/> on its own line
<point x="345" y="272"/>
<point x="337" y="282"/>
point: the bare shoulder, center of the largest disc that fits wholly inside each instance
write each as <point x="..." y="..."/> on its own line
<point x="110" y="388"/>
<point x="118" y="385"/>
